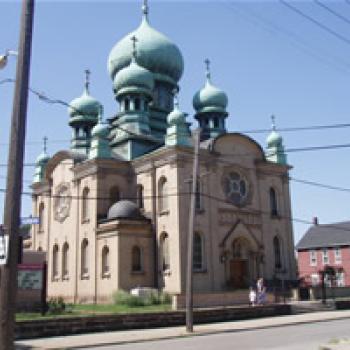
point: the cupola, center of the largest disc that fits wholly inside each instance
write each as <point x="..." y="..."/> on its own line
<point x="40" y="163"/>
<point x="275" y="149"/>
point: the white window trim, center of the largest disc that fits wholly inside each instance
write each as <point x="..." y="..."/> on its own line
<point x="313" y="257"/>
<point x="325" y="256"/>
<point x="337" y="257"/>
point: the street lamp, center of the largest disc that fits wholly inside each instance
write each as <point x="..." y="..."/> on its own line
<point x="4" y="58"/>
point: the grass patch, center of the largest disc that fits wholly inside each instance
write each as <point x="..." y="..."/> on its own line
<point x="95" y="309"/>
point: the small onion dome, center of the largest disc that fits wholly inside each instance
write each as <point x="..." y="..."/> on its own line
<point x="210" y="99"/>
<point x="133" y="78"/>
<point x="84" y="106"/>
<point x="274" y="139"/>
<point x="176" y="116"/>
<point x="155" y="52"/>
<point x="124" y="209"/>
<point x="42" y="159"/>
<point x="100" y="130"/>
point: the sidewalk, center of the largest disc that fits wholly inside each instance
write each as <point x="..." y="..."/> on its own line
<point x="132" y="336"/>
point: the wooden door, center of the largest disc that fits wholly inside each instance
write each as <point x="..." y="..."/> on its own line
<point x="238" y="272"/>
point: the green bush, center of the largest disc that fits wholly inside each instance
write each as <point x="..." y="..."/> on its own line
<point x="56" y="306"/>
<point x="121" y="297"/>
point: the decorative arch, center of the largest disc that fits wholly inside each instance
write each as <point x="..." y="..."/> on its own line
<point x="136" y="259"/>
<point x="273" y="202"/>
<point x="41" y="216"/>
<point x="84" y="258"/>
<point x="198" y="252"/>
<point x="65" y="261"/>
<point x="85" y="204"/>
<point x="164" y="252"/>
<point x="55" y="252"/>
<point x="163" y="202"/>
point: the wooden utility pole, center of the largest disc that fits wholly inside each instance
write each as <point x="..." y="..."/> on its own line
<point x="189" y="267"/>
<point x="12" y="206"/>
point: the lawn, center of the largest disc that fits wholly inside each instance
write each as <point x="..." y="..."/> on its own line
<point x="95" y="309"/>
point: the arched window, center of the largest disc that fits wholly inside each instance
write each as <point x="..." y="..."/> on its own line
<point x="137" y="104"/>
<point x="136" y="259"/>
<point x="277" y="252"/>
<point x="41" y="216"/>
<point x="164" y="251"/>
<point x="163" y="194"/>
<point x="140" y="196"/>
<point x="216" y="122"/>
<point x="105" y="261"/>
<point x="85" y="205"/>
<point x="65" y="261"/>
<point x="84" y="258"/>
<point x="126" y="104"/>
<point x="114" y="195"/>
<point x="198" y="197"/>
<point x="273" y="202"/>
<point x="198" y="252"/>
<point x="55" y="262"/>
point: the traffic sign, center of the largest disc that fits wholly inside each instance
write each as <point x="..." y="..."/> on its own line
<point x="30" y="220"/>
<point x="4" y="248"/>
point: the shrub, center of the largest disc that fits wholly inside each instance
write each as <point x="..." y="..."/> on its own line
<point x="122" y="297"/>
<point x="56" y="306"/>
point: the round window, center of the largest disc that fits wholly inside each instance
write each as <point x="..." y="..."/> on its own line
<point x="236" y="188"/>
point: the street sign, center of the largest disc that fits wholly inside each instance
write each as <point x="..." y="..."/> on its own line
<point x="4" y="248"/>
<point x="30" y="220"/>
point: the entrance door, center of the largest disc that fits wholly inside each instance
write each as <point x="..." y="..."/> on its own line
<point x="238" y="273"/>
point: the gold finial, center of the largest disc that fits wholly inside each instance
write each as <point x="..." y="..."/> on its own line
<point x="87" y="80"/>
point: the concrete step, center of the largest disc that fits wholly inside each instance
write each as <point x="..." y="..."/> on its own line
<point x="306" y="307"/>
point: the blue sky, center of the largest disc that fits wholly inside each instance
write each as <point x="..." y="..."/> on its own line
<point x="267" y="58"/>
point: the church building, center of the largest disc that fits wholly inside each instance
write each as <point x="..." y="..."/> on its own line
<point x="114" y="208"/>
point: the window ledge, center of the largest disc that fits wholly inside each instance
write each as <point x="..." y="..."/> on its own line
<point x="164" y="212"/>
<point x="55" y="279"/>
<point x="141" y="272"/>
<point x="65" y="278"/>
<point x="203" y="270"/>
<point x="85" y="221"/>
<point x="85" y="277"/>
<point x="106" y="275"/>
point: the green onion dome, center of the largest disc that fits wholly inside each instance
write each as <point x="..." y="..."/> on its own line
<point x="42" y="159"/>
<point x="84" y="108"/>
<point x="155" y="53"/>
<point x="274" y="139"/>
<point x="100" y="130"/>
<point x="176" y="116"/>
<point x="210" y="99"/>
<point x="133" y="79"/>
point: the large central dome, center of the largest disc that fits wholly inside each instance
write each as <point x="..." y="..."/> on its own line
<point x="155" y="53"/>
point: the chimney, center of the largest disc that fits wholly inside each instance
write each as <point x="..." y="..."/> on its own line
<point x="315" y="220"/>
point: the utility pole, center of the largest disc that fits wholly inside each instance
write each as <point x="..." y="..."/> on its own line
<point x="189" y="275"/>
<point x="12" y="207"/>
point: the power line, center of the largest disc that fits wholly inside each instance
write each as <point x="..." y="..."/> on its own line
<point x="330" y="10"/>
<point x="316" y="22"/>
<point x="295" y="39"/>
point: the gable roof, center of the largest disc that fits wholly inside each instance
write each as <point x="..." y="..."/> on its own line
<point x="323" y="236"/>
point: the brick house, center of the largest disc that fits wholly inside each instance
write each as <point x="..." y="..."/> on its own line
<point x="321" y="247"/>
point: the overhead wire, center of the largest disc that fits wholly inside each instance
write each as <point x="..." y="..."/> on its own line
<point x="315" y="21"/>
<point x="330" y="10"/>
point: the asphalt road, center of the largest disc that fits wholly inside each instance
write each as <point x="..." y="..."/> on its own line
<point x="296" y="337"/>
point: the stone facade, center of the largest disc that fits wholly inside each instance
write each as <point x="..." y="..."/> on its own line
<point x="114" y="209"/>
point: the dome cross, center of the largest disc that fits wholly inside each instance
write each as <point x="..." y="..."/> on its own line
<point x="273" y="122"/>
<point x="145" y="9"/>
<point x="87" y="80"/>
<point x="45" y="139"/>
<point x="207" y="68"/>
<point x="134" y="50"/>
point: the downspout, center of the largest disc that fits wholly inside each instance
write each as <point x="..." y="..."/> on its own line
<point x="155" y="225"/>
<point x="77" y="248"/>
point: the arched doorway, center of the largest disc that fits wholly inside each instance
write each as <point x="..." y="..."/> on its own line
<point x="241" y="264"/>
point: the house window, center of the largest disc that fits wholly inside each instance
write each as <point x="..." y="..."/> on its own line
<point x="105" y="261"/>
<point x="325" y="257"/>
<point x="137" y="104"/>
<point x="136" y="258"/>
<point x="65" y="261"/>
<point x="198" y="252"/>
<point x="313" y="257"/>
<point x="339" y="279"/>
<point x="55" y="262"/>
<point x="140" y="196"/>
<point x="337" y="255"/>
<point x="277" y="252"/>
<point x="273" y="202"/>
<point x="84" y="258"/>
<point x="126" y="105"/>
<point x="163" y="194"/>
<point x="164" y="249"/>
<point x="85" y="205"/>
<point x="41" y="216"/>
